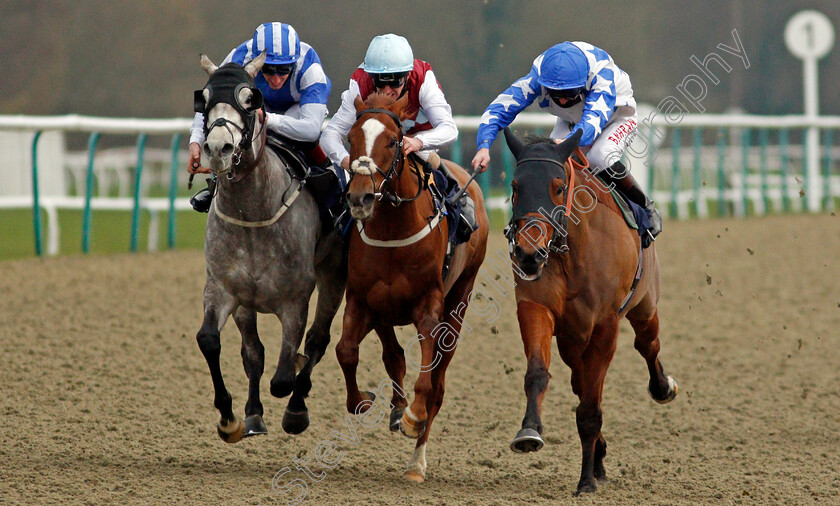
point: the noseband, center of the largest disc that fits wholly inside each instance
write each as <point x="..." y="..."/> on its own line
<point x="558" y="242"/>
<point x="395" y="170"/>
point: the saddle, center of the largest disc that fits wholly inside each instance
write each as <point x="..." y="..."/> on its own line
<point x="324" y="183"/>
<point x="635" y="216"/>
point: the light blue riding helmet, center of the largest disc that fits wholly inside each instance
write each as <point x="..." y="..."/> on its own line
<point x="388" y="54"/>
<point x="279" y="41"/>
<point x="563" y="67"/>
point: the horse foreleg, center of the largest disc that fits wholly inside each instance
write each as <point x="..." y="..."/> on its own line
<point x="416" y="470"/>
<point x="355" y="327"/>
<point x="253" y="360"/>
<point x="415" y="417"/>
<point x="230" y="428"/>
<point x="331" y="279"/>
<point x="393" y="356"/>
<point x="536" y="324"/>
<point x="589" y="372"/>
<point x="661" y="387"/>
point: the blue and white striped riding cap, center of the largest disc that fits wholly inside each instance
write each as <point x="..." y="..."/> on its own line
<point x="280" y="42"/>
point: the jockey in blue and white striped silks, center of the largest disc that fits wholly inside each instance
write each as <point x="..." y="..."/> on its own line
<point x="298" y="108"/>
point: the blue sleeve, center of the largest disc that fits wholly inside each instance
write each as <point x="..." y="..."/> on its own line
<point x="313" y="83"/>
<point x="598" y="107"/>
<point x="502" y="111"/>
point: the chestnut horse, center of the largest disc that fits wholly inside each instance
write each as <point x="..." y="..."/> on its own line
<point x="395" y="264"/>
<point x="579" y="271"/>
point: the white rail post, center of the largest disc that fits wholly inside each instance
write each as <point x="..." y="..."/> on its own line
<point x="809" y="35"/>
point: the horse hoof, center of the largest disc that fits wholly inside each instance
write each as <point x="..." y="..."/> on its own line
<point x="586" y="488"/>
<point x="295" y="422"/>
<point x="410" y="426"/>
<point x="673" y="388"/>
<point x="368" y="398"/>
<point x="415" y="476"/>
<point x="396" y="415"/>
<point x="527" y="440"/>
<point x="232" y="431"/>
<point x="254" y="426"/>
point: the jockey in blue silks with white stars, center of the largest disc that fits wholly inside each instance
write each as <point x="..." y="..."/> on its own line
<point x="581" y="85"/>
<point x="295" y="90"/>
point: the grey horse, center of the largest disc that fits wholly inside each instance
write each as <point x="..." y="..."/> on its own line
<point x="265" y="252"/>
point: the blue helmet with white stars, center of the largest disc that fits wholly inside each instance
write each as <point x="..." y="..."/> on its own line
<point x="563" y="67"/>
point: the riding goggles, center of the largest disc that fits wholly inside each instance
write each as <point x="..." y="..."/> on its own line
<point x="566" y="94"/>
<point x="277" y="69"/>
<point x="393" y="80"/>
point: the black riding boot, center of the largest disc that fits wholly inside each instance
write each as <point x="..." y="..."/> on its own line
<point x="467" y="224"/>
<point x="203" y="198"/>
<point x="617" y="173"/>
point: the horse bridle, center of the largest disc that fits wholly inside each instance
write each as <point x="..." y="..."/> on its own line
<point x="558" y="242"/>
<point x="224" y="96"/>
<point x="395" y="170"/>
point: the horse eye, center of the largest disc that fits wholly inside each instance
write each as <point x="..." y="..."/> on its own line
<point x="560" y="190"/>
<point x="393" y="143"/>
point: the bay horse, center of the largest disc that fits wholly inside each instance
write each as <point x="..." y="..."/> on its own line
<point x="395" y="270"/>
<point x="265" y="253"/>
<point x="579" y="273"/>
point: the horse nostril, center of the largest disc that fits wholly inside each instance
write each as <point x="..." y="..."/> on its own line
<point x="517" y="252"/>
<point x="368" y="199"/>
<point x="227" y="149"/>
<point x="207" y="150"/>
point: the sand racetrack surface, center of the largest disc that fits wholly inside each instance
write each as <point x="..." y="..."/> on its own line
<point x="106" y="397"/>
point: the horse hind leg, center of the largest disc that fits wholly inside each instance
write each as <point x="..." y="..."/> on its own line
<point x="661" y="387"/>
<point x="393" y="357"/>
<point x="355" y="327"/>
<point x="330" y="292"/>
<point x="589" y="372"/>
<point x="253" y="360"/>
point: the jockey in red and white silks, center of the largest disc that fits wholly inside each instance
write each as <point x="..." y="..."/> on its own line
<point x="429" y="125"/>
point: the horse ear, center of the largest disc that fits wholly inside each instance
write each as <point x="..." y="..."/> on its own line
<point x="514" y="143"/>
<point x="399" y="106"/>
<point x="568" y="146"/>
<point x="359" y="104"/>
<point x="207" y="65"/>
<point x="254" y="66"/>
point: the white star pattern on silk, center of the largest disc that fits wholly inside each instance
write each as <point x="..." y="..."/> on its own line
<point x="524" y="85"/>
<point x="487" y="117"/>
<point x="596" y="123"/>
<point x="506" y="101"/>
<point x="601" y="106"/>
